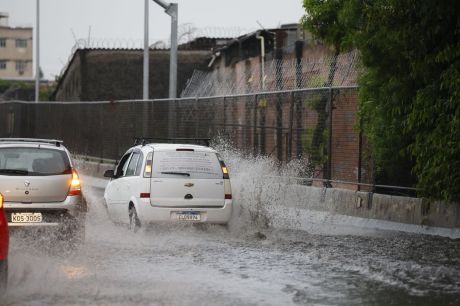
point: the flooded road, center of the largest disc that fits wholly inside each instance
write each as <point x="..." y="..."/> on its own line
<point x="242" y="265"/>
<point x="252" y="262"/>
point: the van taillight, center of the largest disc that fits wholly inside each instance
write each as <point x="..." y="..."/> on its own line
<point x="148" y="165"/>
<point x="224" y="170"/>
<point x="227" y="190"/>
<point x="144" y="195"/>
<point x="75" y="186"/>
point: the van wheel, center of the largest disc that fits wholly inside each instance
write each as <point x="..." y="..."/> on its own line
<point x="134" y="223"/>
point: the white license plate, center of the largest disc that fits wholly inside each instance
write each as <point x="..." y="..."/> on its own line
<point x="188" y="216"/>
<point x="26" y="217"/>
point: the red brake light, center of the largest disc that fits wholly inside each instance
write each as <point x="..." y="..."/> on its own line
<point x="145" y="195"/>
<point x="228" y="197"/>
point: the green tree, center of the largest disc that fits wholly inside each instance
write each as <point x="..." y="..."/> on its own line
<point x="410" y="86"/>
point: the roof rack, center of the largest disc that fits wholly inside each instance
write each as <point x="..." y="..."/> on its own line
<point x="55" y="142"/>
<point x="143" y="140"/>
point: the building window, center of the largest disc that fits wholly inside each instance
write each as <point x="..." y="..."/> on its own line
<point x="21" y="43"/>
<point x="2" y="65"/>
<point x="2" y="42"/>
<point x="21" y="66"/>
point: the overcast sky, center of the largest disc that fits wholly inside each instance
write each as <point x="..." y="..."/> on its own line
<point x="121" y="22"/>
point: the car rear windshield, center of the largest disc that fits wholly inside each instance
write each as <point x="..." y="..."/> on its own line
<point x="33" y="162"/>
<point x="186" y="164"/>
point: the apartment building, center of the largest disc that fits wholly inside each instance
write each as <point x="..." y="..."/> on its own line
<point x="16" y="49"/>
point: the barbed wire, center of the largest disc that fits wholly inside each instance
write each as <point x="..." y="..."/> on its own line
<point x="187" y="32"/>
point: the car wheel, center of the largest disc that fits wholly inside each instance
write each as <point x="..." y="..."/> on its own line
<point x="3" y="276"/>
<point x="134" y="223"/>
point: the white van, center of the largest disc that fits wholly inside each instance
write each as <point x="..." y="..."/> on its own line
<point x="169" y="182"/>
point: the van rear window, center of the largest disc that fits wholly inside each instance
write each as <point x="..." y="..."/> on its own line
<point x="186" y="164"/>
<point x="33" y="162"/>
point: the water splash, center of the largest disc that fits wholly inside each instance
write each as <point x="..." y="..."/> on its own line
<point x="259" y="191"/>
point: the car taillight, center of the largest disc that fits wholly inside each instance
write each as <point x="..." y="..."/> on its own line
<point x="75" y="186"/>
<point x="145" y="195"/>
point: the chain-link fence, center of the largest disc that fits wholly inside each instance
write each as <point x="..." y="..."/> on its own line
<point x="318" y="126"/>
<point x="288" y="74"/>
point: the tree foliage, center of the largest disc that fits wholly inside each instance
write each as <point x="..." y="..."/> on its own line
<point x="410" y="86"/>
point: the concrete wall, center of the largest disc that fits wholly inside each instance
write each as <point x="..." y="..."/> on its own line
<point x="406" y="210"/>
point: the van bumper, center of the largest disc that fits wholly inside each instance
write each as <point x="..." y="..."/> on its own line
<point x="214" y="215"/>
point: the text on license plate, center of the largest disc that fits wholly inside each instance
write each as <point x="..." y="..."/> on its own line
<point x="26" y="217"/>
<point x="188" y="216"/>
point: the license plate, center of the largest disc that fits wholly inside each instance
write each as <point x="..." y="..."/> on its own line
<point x="26" y="217"/>
<point x="188" y="216"/>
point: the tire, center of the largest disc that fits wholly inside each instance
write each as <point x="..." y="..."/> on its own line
<point x="3" y="276"/>
<point x="134" y="223"/>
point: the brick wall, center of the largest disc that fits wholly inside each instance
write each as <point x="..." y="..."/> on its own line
<point x="98" y="74"/>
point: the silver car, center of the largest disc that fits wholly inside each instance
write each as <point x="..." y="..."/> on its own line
<point x="40" y="186"/>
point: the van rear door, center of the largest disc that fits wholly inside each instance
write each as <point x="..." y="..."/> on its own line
<point x="186" y="178"/>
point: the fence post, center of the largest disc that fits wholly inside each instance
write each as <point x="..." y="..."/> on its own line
<point x="263" y="136"/>
<point x="145" y="118"/>
<point x="225" y="114"/>
<point x="176" y="109"/>
<point x="101" y="133"/>
<point x="254" y="129"/>
<point x="172" y="118"/>
<point x="360" y="152"/>
<point x="329" y="144"/>
<point x="291" y="125"/>
<point x="299" y="44"/>
<point x="195" y="111"/>
<point x="279" y="128"/>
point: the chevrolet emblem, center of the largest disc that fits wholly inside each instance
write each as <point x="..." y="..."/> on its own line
<point x="189" y="184"/>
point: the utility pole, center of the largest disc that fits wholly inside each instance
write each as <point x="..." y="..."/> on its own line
<point x="172" y="10"/>
<point x="37" y="54"/>
<point x="145" y="94"/>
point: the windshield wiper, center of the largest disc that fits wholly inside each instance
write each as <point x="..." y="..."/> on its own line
<point x="177" y="173"/>
<point x="14" y="171"/>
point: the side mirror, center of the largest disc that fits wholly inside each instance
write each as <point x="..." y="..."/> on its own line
<point x="109" y="173"/>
